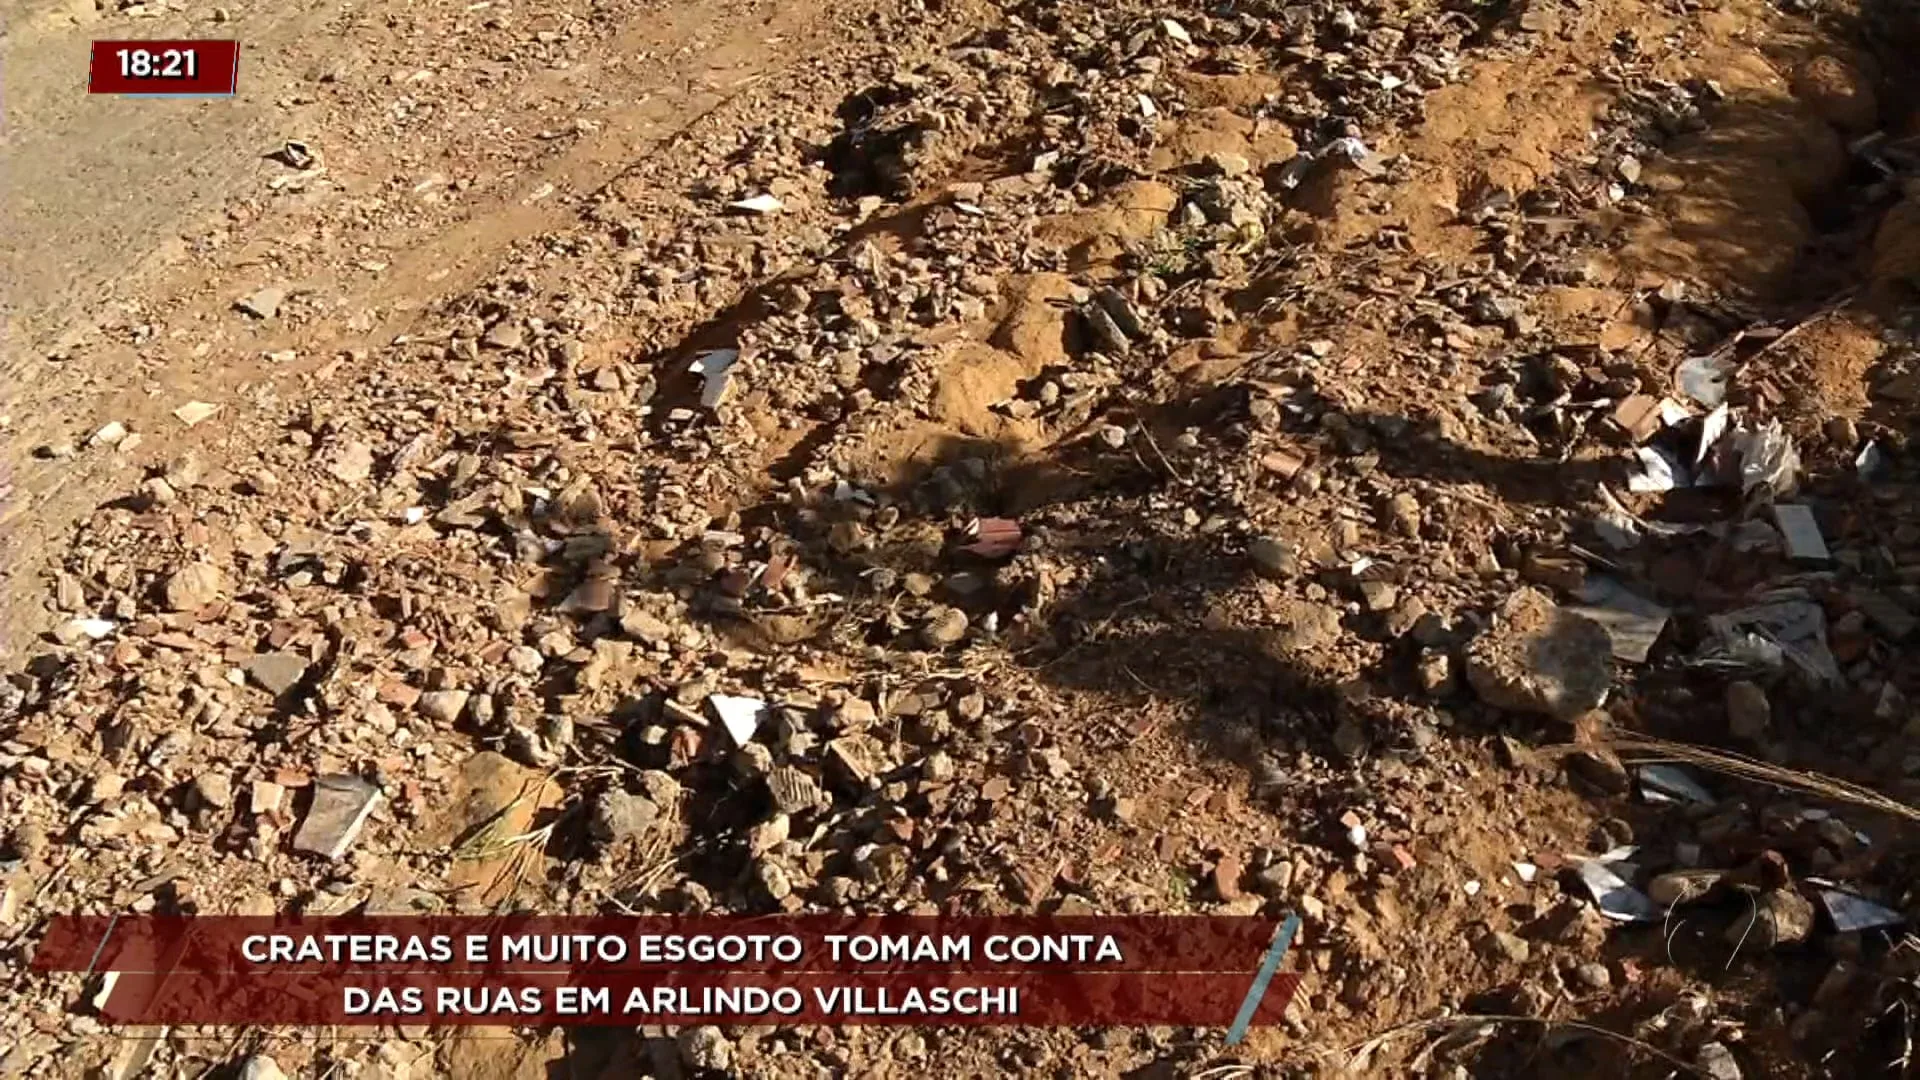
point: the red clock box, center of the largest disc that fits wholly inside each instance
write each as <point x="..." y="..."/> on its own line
<point x="164" y="68"/>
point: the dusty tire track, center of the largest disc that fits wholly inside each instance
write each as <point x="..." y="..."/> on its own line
<point x="714" y="53"/>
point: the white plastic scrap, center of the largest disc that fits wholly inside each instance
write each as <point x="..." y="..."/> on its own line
<point x="1870" y="461"/>
<point x="1711" y="428"/>
<point x="739" y="715"/>
<point x="94" y="629"/>
<point x="1744" y="651"/>
<point x="1616" y="899"/>
<point x="715" y="369"/>
<point x="1704" y="379"/>
<point x="845" y="492"/>
<point x="759" y="204"/>
<point x="1658" y="472"/>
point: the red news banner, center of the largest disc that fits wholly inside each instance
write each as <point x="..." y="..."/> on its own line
<point x="1188" y="971"/>
<point x="164" y="68"/>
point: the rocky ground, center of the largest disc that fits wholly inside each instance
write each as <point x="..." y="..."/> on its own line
<point x="1439" y="469"/>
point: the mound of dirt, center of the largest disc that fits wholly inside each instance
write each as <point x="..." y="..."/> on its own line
<point x="1220" y="133"/>
<point x="1838" y="92"/>
<point x="1098" y="234"/>
<point x="1896" y="254"/>
<point x="1733" y="202"/>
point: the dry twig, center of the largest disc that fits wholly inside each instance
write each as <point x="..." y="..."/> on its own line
<point x="1649" y="751"/>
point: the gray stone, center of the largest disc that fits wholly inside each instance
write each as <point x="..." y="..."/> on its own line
<point x="1273" y="559"/>
<point x="505" y="334"/>
<point x="193" y="587"/>
<point x="264" y="304"/>
<point x="525" y="659"/>
<point x="618" y="815"/>
<point x="1891" y="619"/>
<point x="1107" y="336"/>
<point x="706" y="1047"/>
<point x="443" y="706"/>
<point x="1379" y="595"/>
<point x="1403" y="514"/>
<point x="1350" y="738"/>
<point x="29" y="841"/>
<point x="1304" y="625"/>
<point x="213" y="789"/>
<point x="1275" y="879"/>
<point x="641" y="626"/>
<point x="1777" y="917"/>
<point x="351" y="462"/>
<point x="1540" y="658"/>
<point x="1228" y="164"/>
<point x="1405" y="616"/>
<point x="1435" y="672"/>
<point x="1602" y="769"/>
<point x="774" y="879"/>
<point x="858" y="759"/>
<point x="1501" y="947"/>
<point x="277" y="672"/>
<point x="1121" y="310"/>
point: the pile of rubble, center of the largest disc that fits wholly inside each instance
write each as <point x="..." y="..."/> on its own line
<point x="841" y="532"/>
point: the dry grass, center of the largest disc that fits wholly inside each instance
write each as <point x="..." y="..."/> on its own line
<point x="1644" y="751"/>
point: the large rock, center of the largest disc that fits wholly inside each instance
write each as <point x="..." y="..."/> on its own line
<point x="1539" y="658"/>
<point x="1777" y="917"/>
<point x="618" y="814"/>
<point x="193" y="587"/>
<point x="1838" y="93"/>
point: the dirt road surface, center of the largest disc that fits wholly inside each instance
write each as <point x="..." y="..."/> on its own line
<point x="1153" y="457"/>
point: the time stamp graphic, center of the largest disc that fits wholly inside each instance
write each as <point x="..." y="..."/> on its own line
<point x="164" y="68"/>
